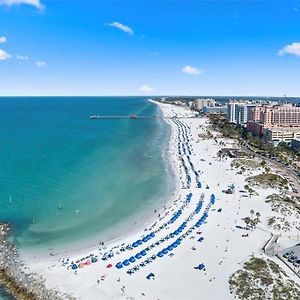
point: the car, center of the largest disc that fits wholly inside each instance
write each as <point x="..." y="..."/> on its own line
<point x="293" y="258"/>
<point x="288" y="254"/>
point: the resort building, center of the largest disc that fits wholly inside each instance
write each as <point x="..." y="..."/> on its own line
<point x="200" y="103"/>
<point x="215" y="110"/>
<point x="270" y="116"/>
<point x="283" y="134"/>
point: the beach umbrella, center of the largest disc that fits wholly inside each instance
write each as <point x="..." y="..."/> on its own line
<point x="143" y="252"/>
<point x="88" y="262"/>
<point x="132" y="259"/>
<point x="109" y="266"/>
<point x="139" y="242"/>
<point x="126" y="262"/>
<point x="119" y="265"/>
<point x="152" y="234"/>
<point x="138" y="256"/>
<point x="160" y="254"/>
<point x="135" y="244"/>
<point x="74" y="267"/>
<point x="81" y="265"/>
<point x="165" y="251"/>
<point x="174" y="245"/>
<point x="170" y="248"/>
<point x="145" y="239"/>
<point x="94" y="260"/>
<point x="171" y="235"/>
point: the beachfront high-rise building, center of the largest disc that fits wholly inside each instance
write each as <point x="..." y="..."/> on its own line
<point x="200" y="103"/>
<point x="239" y="112"/>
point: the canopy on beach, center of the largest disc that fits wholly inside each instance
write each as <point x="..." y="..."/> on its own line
<point x="132" y="259"/>
<point x="126" y="262"/>
<point x="160" y="254"/>
<point x="138" y="256"/>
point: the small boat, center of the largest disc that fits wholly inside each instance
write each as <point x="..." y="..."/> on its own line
<point x="33" y="220"/>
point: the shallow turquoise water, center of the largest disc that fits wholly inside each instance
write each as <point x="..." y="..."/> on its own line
<point x="66" y="178"/>
<point x="4" y="295"/>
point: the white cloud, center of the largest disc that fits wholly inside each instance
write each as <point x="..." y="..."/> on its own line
<point x="192" y="70"/>
<point x="40" y="64"/>
<point x="21" y="57"/>
<point x="293" y="49"/>
<point x="4" y="55"/>
<point x="36" y="3"/>
<point x="3" y="39"/>
<point x="122" y="27"/>
<point x="146" y="88"/>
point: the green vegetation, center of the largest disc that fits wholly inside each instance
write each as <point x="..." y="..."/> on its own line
<point x="268" y="180"/>
<point x="282" y="152"/>
<point x="262" y="279"/>
<point x="284" y="204"/>
<point x="245" y="164"/>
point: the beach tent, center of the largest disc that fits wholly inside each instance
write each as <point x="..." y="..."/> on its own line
<point x="126" y="262"/>
<point x="132" y="259"/>
<point x="119" y="265"/>
<point x="160" y="254"/>
<point x="138" y="256"/>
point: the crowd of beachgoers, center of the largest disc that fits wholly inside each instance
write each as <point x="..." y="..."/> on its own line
<point x="196" y="242"/>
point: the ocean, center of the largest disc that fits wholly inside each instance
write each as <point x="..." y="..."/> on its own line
<point x="66" y="179"/>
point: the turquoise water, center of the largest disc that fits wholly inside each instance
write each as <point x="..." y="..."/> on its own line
<point x="4" y="295"/>
<point x="65" y="178"/>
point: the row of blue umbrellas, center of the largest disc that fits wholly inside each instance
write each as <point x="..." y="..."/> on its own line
<point x="143" y="240"/>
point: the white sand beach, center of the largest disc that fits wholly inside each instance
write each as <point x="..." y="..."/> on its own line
<point x="187" y="232"/>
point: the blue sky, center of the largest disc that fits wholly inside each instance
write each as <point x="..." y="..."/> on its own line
<point x="53" y="47"/>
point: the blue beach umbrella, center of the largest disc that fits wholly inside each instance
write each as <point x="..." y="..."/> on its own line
<point x="135" y="244"/>
<point x="152" y="234"/>
<point x="165" y="251"/>
<point x="143" y="252"/>
<point x="74" y="267"/>
<point x="119" y="265"/>
<point x="144" y="239"/>
<point x="170" y="248"/>
<point x="160" y="254"/>
<point x="126" y="262"/>
<point x="132" y="259"/>
<point x="138" y="256"/>
<point x="139" y="242"/>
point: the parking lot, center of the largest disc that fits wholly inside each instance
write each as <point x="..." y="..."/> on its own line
<point x="292" y="256"/>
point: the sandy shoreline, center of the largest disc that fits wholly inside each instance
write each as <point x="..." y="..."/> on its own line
<point x="215" y="243"/>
